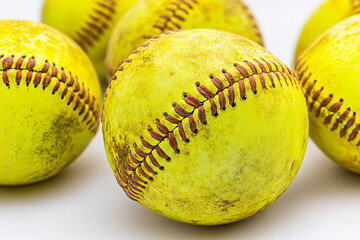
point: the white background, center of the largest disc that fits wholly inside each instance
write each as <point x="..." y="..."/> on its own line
<point x="85" y="202"/>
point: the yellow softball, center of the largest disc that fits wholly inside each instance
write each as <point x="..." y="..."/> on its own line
<point x="204" y="126"/>
<point x="146" y="19"/>
<point x="330" y="73"/>
<point x="50" y="99"/>
<point x="88" y="22"/>
<point x="325" y="16"/>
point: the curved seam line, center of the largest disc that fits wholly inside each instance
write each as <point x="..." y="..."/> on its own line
<point x="310" y="94"/>
<point x="88" y="41"/>
<point x="170" y="19"/>
<point x="93" y="111"/>
<point x="127" y="188"/>
<point x="243" y="5"/>
<point x="173" y="16"/>
<point x="184" y="118"/>
<point x="253" y="22"/>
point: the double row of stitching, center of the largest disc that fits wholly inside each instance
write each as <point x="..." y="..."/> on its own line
<point x="96" y="24"/>
<point x="175" y="14"/>
<point x="178" y="10"/>
<point x="29" y="72"/>
<point x="253" y="22"/>
<point x="337" y="117"/>
<point x="144" y="159"/>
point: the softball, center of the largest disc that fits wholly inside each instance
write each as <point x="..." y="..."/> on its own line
<point x="50" y="99"/>
<point x="148" y="18"/>
<point x="330" y="74"/>
<point x="325" y="16"/>
<point x="88" y="22"/>
<point x="204" y="126"/>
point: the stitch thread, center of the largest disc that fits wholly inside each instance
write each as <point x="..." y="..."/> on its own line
<point x="177" y="12"/>
<point x="179" y="9"/>
<point x="253" y="23"/>
<point x="26" y="69"/>
<point x="336" y="118"/>
<point x="135" y="178"/>
<point x="96" y="24"/>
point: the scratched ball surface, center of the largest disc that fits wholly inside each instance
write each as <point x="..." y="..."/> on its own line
<point x="325" y="16"/>
<point x="330" y="72"/>
<point x="204" y="126"/>
<point x="50" y="95"/>
<point x="88" y="22"/>
<point x="147" y="18"/>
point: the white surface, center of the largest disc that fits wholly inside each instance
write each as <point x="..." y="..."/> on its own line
<point x="85" y="202"/>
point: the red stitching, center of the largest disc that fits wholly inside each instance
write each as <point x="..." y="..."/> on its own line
<point x="253" y="22"/>
<point x="258" y="69"/>
<point x="29" y="74"/>
<point x="196" y="104"/>
<point x="95" y="26"/>
<point x="174" y="13"/>
<point x="312" y="97"/>
<point x="141" y="160"/>
<point x="180" y="7"/>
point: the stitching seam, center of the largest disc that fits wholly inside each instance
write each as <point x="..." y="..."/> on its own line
<point x="26" y="69"/>
<point x="253" y="22"/>
<point x="96" y="24"/>
<point x="177" y="11"/>
<point x="135" y="178"/>
<point x="181" y="7"/>
<point x="337" y="117"/>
